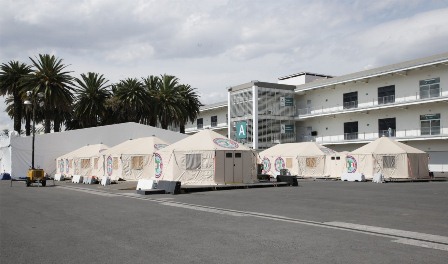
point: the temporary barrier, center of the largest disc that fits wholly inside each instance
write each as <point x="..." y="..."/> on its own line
<point x="353" y="177"/>
<point x="58" y="177"/>
<point x="146" y="184"/>
<point x="105" y="181"/>
<point x="77" y="179"/>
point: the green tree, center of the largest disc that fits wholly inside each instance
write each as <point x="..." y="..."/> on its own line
<point x="13" y="82"/>
<point x="91" y="94"/>
<point x="190" y="105"/>
<point x="133" y="100"/>
<point x="167" y="96"/>
<point x="151" y="84"/>
<point x="51" y="78"/>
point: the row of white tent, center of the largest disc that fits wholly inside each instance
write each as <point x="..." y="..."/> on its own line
<point x="207" y="158"/>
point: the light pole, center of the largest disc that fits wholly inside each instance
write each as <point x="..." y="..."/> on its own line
<point x="33" y="99"/>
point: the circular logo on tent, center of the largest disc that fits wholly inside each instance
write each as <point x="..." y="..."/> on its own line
<point x="61" y="166"/>
<point x="226" y="143"/>
<point x="160" y="146"/>
<point x="266" y="165"/>
<point x="67" y="167"/>
<point x="279" y="164"/>
<point x="158" y="165"/>
<point x="351" y="164"/>
<point x="109" y="165"/>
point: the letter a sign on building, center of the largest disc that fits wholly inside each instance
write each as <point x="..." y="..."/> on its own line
<point x="241" y="130"/>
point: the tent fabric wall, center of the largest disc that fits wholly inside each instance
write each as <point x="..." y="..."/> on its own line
<point x="80" y="161"/>
<point x="390" y="158"/>
<point x="176" y="162"/>
<point x="305" y="159"/>
<point x="134" y="158"/>
<point x="50" y="146"/>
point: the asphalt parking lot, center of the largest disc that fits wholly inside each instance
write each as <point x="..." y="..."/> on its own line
<point x="317" y="222"/>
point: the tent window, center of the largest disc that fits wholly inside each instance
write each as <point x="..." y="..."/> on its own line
<point x="137" y="162"/>
<point x="338" y="158"/>
<point x="332" y="158"/>
<point x="311" y="162"/>
<point x="85" y="163"/>
<point x="288" y="162"/>
<point x="70" y="164"/>
<point x="389" y="162"/>
<point x="237" y="155"/>
<point x="193" y="161"/>
<point x="115" y="164"/>
<point x="95" y="163"/>
<point x="229" y="155"/>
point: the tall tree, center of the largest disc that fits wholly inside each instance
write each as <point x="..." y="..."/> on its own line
<point x="190" y="105"/>
<point x="91" y="94"/>
<point x="151" y="85"/>
<point x="51" y="78"/>
<point x="167" y="96"/>
<point x="13" y="82"/>
<point x="133" y="99"/>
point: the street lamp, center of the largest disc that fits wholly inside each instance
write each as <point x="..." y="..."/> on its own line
<point x="33" y="99"/>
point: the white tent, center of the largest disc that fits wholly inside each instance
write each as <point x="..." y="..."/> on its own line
<point x="50" y="146"/>
<point x="130" y="159"/>
<point x="206" y="158"/>
<point x="83" y="161"/>
<point x="305" y="159"/>
<point x="390" y="158"/>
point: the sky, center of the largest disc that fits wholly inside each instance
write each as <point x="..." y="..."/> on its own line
<point x="212" y="45"/>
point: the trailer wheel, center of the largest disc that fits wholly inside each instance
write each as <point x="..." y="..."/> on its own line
<point x="44" y="183"/>
<point x="28" y="183"/>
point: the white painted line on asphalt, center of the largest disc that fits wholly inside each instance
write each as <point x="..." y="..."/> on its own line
<point x="419" y="243"/>
<point x="392" y="232"/>
<point x="96" y="192"/>
<point x="203" y="209"/>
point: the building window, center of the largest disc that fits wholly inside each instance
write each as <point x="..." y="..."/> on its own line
<point x="350" y="130"/>
<point x="386" y="127"/>
<point x="430" y="124"/>
<point x="351" y="100"/>
<point x="386" y="94"/>
<point x="200" y="123"/>
<point x="137" y="163"/>
<point x="430" y="88"/>
<point x="214" y="121"/>
<point x="389" y="162"/>
<point x="193" y="161"/>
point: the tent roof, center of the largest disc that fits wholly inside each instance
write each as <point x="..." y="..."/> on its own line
<point x="385" y="145"/>
<point x="297" y="149"/>
<point x="86" y="151"/>
<point x="205" y="140"/>
<point x="143" y="145"/>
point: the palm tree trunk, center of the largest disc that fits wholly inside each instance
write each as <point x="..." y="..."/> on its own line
<point x="182" y="128"/>
<point x="17" y="112"/>
<point x="57" y="123"/>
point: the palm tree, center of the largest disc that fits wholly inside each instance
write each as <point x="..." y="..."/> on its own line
<point x="151" y="85"/>
<point x="12" y="82"/>
<point x="90" y="99"/>
<point x="51" y="78"/>
<point x="133" y="100"/>
<point x="189" y="100"/>
<point x="167" y="95"/>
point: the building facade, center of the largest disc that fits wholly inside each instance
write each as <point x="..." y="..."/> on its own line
<point x="407" y="101"/>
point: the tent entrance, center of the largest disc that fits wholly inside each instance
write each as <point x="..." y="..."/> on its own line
<point x="229" y="167"/>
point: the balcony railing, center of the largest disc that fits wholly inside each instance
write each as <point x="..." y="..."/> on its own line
<point x="386" y="99"/>
<point x="362" y="136"/>
<point x="390" y="100"/>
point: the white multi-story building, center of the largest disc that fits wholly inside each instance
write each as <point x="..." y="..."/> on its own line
<point x="407" y="101"/>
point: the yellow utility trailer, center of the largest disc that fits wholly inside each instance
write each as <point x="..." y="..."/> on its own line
<point x="36" y="175"/>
